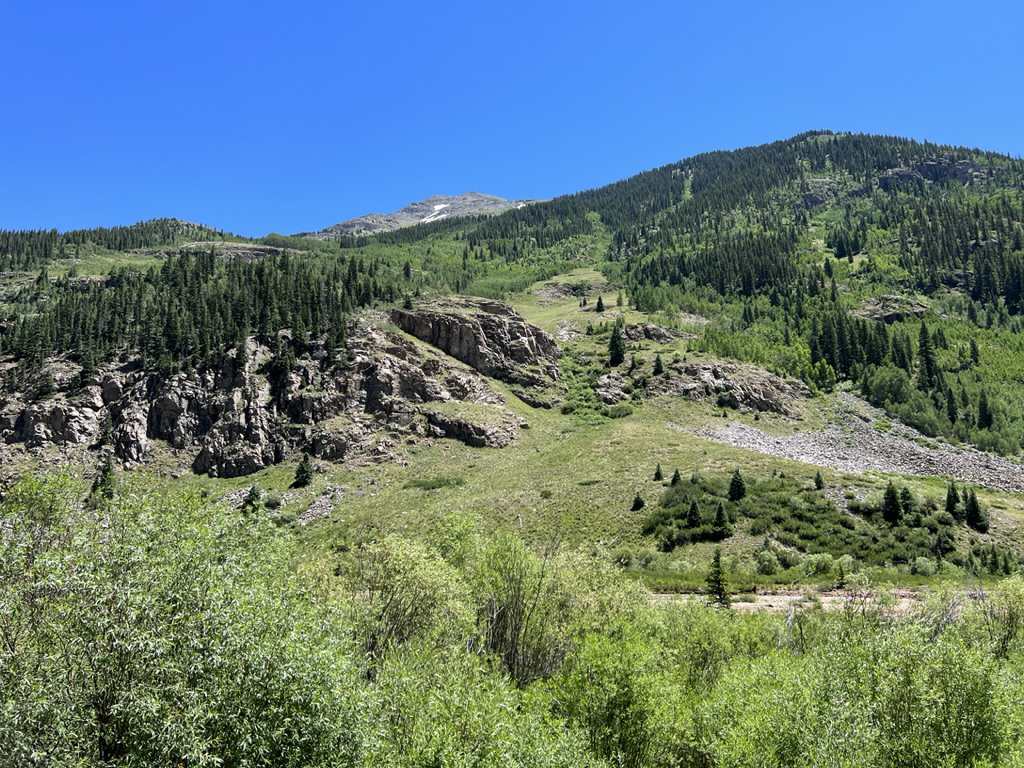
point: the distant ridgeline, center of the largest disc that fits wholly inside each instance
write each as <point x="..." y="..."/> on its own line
<point x="893" y="264"/>
<point x="29" y="249"/>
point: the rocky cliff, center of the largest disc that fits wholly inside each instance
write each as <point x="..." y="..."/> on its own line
<point x="238" y="419"/>
<point x="487" y="335"/>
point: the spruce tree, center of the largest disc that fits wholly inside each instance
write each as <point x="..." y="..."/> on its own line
<point x="638" y="503"/>
<point x="104" y="483"/>
<point x="717" y="588"/>
<point x="721" y="528"/>
<point x="929" y="366"/>
<point x="304" y="472"/>
<point x="676" y="478"/>
<point x="737" y="486"/>
<point x="693" y="515"/>
<point x="976" y="517"/>
<point x="984" y="411"/>
<point x="892" y="510"/>
<point x="657" y="472"/>
<point x="616" y="347"/>
<point x="600" y="304"/>
<point x="659" y="367"/>
<point x="951" y="410"/>
<point x="819" y="481"/>
<point x="952" y="501"/>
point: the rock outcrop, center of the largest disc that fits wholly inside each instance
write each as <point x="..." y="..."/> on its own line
<point x="489" y="336"/>
<point x="744" y="387"/>
<point x="234" y="420"/>
<point x="938" y="169"/>
<point x="891" y="308"/>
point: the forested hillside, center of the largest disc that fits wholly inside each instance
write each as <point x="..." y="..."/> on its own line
<point x="394" y="499"/>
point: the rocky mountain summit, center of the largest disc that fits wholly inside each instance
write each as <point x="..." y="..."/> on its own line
<point x="432" y="209"/>
<point x="245" y="416"/>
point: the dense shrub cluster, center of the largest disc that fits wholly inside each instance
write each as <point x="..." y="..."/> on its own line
<point x="163" y="631"/>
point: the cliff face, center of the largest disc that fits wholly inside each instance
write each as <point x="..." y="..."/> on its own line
<point x="237" y="419"/>
<point x="490" y="337"/>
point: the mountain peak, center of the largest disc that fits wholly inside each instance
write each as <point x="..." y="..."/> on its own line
<point x="433" y="208"/>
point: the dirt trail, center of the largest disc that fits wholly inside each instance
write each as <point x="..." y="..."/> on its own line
<point x="903" y="601"/>
<point x="852" y="444"/>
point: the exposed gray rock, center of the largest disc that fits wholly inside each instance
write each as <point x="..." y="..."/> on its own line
<point x="891" y="308"/>
<point x="131" y="443"/>
<point x="745" y="387"/>
<point x="227" y="421"/>
<point x="853" y="444"/>
<point x="240" y="443"/>
<point x="488" y="336"/>
<point x="432" y="209"/>
<point x="609" y="388"/>
<point x="938" y="169"/>
<point x="58" y="422"/>
<point x="653" y="333"/>
<point x="472" y="433"/>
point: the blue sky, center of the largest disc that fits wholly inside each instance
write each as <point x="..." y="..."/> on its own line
<point x="287" y="116"/>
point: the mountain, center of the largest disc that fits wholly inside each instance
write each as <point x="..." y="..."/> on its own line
<point x="434" y="208"/>
<point x="829" y="303"/>
<point x="360" y="500"/>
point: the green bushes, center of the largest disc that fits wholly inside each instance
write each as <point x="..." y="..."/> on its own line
<point x="165" y="632"/>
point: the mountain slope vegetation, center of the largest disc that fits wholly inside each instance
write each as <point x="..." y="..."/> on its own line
<point x="396" y="499"/>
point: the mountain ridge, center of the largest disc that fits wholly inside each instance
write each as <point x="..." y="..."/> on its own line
<point x="433" y="208"/>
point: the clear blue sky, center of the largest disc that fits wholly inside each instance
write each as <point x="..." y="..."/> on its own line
<point x="286" y="116"/>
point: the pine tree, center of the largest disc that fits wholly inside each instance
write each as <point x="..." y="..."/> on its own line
<point x="104" y="484"/>
<point x="737" y="486"/>
<point x="657" y="472"/>
<point x="659" y="367"/>
<point x="984" y="411"/>
<point x="892" y="510"/>
<point x="819" y="481"/>
<point x="693" y="515"/>
<point x="907" y="501"/>
<point x="717" y="588"/>
<point x="951" y="410"/>
<point x="638" y="503"/>
<point x="600" y="304"/>
<point x="616" y="347"/>
<point x="952" y="500"/>
<point x="929" y="367"/>
<point x="304" y="472"/>
<point x="976" y="517"/>
<point x="721" y="528"/>
<point x="676" y="478"/>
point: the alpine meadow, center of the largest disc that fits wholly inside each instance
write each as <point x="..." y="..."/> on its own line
<point x="718" y="465"/>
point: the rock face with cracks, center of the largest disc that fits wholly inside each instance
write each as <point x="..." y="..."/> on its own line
<point x="489" y="336"/>
<point x="237" y="419"/>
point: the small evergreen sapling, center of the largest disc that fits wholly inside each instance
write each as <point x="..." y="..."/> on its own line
<point x="721" y="528"/>
<point x="718" y="590"/>
<point x="304" y="472"/>
<point x="657" y="472"/>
